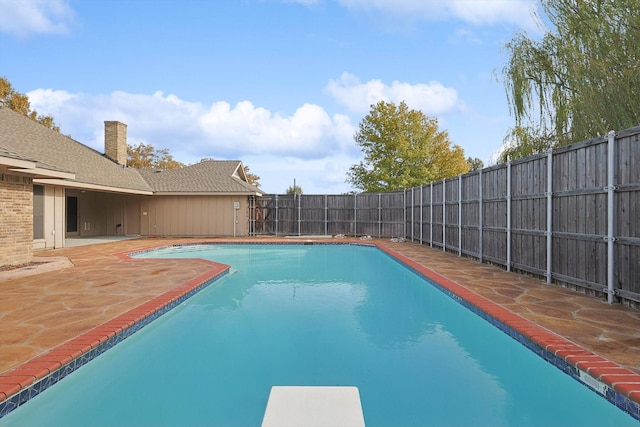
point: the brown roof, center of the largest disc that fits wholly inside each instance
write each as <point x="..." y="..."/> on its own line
<point x="208" y="176"/>
<point x="11" y="155"/>
<point x="24" y="137"/>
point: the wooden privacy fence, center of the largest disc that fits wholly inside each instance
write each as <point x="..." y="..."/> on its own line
<point x="571" y="215"/>
<point x="378" y="215"/>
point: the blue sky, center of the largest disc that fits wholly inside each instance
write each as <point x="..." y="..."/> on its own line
<point x="279" y="84"/>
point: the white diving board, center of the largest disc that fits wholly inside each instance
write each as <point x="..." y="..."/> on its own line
<point x="307" y="406"/>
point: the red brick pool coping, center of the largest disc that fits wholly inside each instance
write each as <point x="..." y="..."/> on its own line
<point x="625" y="382"/>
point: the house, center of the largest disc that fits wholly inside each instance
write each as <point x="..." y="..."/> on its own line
<point x="53" y="187"/>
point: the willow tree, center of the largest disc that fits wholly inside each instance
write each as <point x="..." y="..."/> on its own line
<point x="402" y="148"/>
<point x="580" y="80"/>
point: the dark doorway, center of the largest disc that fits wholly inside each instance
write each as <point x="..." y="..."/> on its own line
<point x="72" y="215"/>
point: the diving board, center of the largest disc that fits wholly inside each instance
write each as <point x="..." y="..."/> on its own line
<point x="307" y="406"/>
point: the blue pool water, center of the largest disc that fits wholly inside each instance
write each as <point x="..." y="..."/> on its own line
<point x="317" y="315"/>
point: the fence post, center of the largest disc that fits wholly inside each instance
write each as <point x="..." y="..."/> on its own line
<point x="404" y="205"/>
<point x="431" y="216"/>
<point x="413" y="209"/>
<point x="421" y="208"/>
<point x="326" y="215"/>
<point x="480" y="225"/>
<point x="379" y="215"/>
<point x="300" y="215"/>
<point x="276" y="214"/>
<point x="444" y="215"/>
<point x="459" y="215"/>
<point x="549" y="232"/>
<point x="355" y="214"/>
<point x="611" y="188"/>
<point x="508" y="215"/>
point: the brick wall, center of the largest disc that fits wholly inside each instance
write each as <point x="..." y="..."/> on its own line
<point x="115" y="141"/>
<point x="16" y="219"/>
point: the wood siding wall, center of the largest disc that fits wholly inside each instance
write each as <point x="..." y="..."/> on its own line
<point x="546" y="215"/>
<point x="193" y="215"/>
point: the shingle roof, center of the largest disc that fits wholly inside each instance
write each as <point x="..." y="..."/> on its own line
<point x="10" y="154"/>
<point x="208" y="176"/>
<point x="25" y="138"/>
<point x="22" y="138"/>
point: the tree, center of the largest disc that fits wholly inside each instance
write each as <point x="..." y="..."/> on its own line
<point x="19" y="103"/>
<point x="579" y="81"/>
<point x="146" y="156"/>
<point x="294" y="190"/>
<point x="402" y="148"/>
<point x="252" y="179"/>
<point x="475" y="164"/>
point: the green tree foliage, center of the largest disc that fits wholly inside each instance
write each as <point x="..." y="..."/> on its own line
<point x="146" y="156"/>
<point x="579" y="81"/>
<point x="402" y="148"/>
<point x="475" y="163"/>
<point x="19" y="103"/>
<point x="294" y="190"/>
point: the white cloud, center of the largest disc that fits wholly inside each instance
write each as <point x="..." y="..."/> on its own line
<point x="308" y="144"/>
<point x="308" y="132"/>
<point x="22" y="18"/>
<point x="479" y="12"/>
<point x="432" y="98"/>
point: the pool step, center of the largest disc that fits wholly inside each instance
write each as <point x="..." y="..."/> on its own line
<point x="307" y="406"/>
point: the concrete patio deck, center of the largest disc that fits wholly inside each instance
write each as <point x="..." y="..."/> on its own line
<point x="41" y="311"/>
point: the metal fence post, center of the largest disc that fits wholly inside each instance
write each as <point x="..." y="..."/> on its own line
<point x="300" y="215"/>
<point x="444" y="215"/>
<point x="459" y="215"/>
<point x="413" y="209"/>
<point x="480" y="225"/>
<point x="508" y="200"/>
<point x="379" y="215"/>
<point x="355" y="214"/>
<point x="611" y="188"/>
<point x="549" y="232"/>
<point x="404" y="204"/>
<point x="276" y="214"/>
<point x="431" y="216"/>
<point x="421" y="208"/>
<point x="326" y="215"/>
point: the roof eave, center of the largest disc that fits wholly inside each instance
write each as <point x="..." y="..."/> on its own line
<point x="27" y="167"/>
<point x="207" y="193"/>
<point x="44" y="173"/>
<point x="94" y="187"/>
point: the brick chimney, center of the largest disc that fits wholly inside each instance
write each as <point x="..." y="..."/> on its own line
<point x="115" y="142"/>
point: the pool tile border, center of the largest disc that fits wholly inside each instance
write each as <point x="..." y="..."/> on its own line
<point x="20" y="384"/>
<point x="618" y="385"/>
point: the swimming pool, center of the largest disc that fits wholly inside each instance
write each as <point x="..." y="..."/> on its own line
<point x="317" y="315"/>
